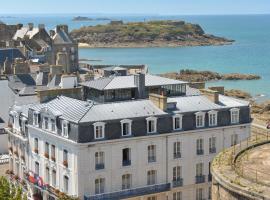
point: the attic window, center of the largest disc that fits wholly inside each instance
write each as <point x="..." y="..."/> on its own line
<point x="151" y="124"/>
<point x="99" y="130"/>
<point x="65" y="129"/>
<point x="234" y="115"/>
<point x="126" y="127"/>
<point x="200" y="119"/>
<point x="36" y="118"/>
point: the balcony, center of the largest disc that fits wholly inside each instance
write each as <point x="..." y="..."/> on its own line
<point x="126" y="162"/>
<point x="177" y="183"/>
<point x="100" y="166"/>
<point x="200" y="179"/>
<point x="131" y="192"/>
<point x="213" y="150"/>
<point x="199" y="151"/>
<point x="177" y="155"/>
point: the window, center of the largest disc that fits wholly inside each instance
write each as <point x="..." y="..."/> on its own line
<point x="65" y="158"/>
<point x="99" y="128"/>
<point x="152" y="198"/>
<point x="200" y="146"/>
<point x="234" y="115"/>
<point x="177" y="196"/>
<point x="126" y="127"/>
<point x="212" y="115"/>
<point x="151" y="153"/>
<point x="177" y="122"/>
<point x="177" y="174"/>
<point x="200" y="119"/>
<point x="199" y="194"/>
<point x="209" y="193"/>
<point x="53" y="125"/>
<point x="36" y="145"/>
<point x="65" y="129"/>
<point x="66" y="182"/>
<point x="53" y="153"/>
<point x="99" y="159"/>
<point x="45" y="123"/>
<point x="151" y="124"/>
<point x="151" y="177"/>
<point x="37" y="168"/>
<point x="100" y="185"/>
<point x="176" y="150"/>
<point x="126" y="161"/>
<point x="234" y="139"/>
<point x="126" y="181"/>
<point x="212" y="145"/>
<point x="54" y="178"/>
<point x="46" y="153"/>
<point x="36" y="118"/>
<point x="47" y="175"/>
<point x="199" y="169"/>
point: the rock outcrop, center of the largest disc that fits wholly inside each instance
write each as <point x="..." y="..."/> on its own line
<point x="146" y="34"/>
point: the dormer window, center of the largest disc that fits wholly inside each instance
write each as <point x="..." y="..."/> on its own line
<point x="53" y="125"/>
<point x="126" y="127"/>
<point x="65" y="129"/>
<point x="177" y="122"/>
<point x="99" y="130"/>
<point x="234" y="115"/>
<point x="36" y="118"/>
<point x="212" y="115"/>
<point x="151" y="124"/>
<point x="200" y="119"/>
<point x="45" y="123"/>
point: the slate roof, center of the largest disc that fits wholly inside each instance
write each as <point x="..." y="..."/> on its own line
<point x="25" y="31"/>
<point x="61" y="37"/>
<point x="19" y="81"/>
<point x="56" y="80"/>
<point x="122" y="110"/>
<point x="202" y="103"/>
<point x="11" y="54"/>
<point x="120" y="82"/>
<point x="70" y="109"/>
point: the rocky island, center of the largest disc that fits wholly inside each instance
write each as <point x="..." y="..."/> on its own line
<point x="199" y="76"/>
<point x="80" y="18"/>
<point x="165" y="33"/>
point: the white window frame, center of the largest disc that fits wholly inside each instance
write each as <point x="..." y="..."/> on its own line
<point x="177" y="150"/>
<point x="36" y="118"/>
<point x="126" y="121"/>
<point x="126" y="181"/>
<point x="65" y="132"/>
<point x="100" y="185"/>
<point x="51" y="125"/>
<point x="151" y="177"/>
<point x="212" y="114"/>
<point x="102" y="125"/>
<point x="180" y="117"/>
<point x="199" y="169"/>
<point x="154" y="120"/>
<point x="202" y="115"/>
<point x="233" y="119"/>
<point x="66" y="185"/>
<point x="177" y="195"/>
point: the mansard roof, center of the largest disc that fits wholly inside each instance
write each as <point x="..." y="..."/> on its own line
<point x="121" y="82"/>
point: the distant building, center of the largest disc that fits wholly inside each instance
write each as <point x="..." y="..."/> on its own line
<point x="153" y="147"/>
<point x="54" y="48"/>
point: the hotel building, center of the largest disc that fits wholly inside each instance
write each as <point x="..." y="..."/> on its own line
<point x="139" y="137"/>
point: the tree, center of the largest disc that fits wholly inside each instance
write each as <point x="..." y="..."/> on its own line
<point x="9" y="191"/>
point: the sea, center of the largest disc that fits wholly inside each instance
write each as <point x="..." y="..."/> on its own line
<point x="250" y="53"/>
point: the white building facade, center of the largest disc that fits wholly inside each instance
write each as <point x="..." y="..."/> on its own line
<point x="123" y="150"/>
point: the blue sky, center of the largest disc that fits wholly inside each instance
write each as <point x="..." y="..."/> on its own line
<point x="173" y="7"/>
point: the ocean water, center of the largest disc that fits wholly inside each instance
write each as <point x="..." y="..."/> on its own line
<point x="249" y="54"/>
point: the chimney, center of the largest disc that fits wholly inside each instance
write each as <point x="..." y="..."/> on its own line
<point x="219" y="89"/>
<point x="212" y="95"/>
<point x="68" y="81"/>
<point x="159" y="100"/>
<point x="139" y="80"/>
<point x="30" y="26"/>
<point x="62" y="27"/>
<point x="52" y="33"/>
<point x="41" y="26"/>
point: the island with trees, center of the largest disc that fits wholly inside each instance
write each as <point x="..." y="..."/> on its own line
<point x="162" y="33"/>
